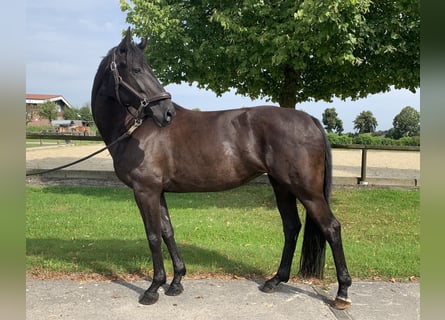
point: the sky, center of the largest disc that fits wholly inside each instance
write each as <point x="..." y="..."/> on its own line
<point x="66" y="40"/>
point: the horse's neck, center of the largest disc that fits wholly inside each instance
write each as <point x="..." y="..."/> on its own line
<point x="111" y="119"/>
<point x="179" y="109"/>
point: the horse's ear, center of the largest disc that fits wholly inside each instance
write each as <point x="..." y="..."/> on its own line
<point x="143" y="44"/>
<point x="126" y="41"/>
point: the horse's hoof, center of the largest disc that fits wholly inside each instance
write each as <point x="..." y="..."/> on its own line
<point x="268" y="287"/>
<point x="340" y="303"/>
<point x="149" y="298"/>
<point x="174" y="290"/>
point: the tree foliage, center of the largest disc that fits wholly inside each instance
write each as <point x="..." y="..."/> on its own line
<point x="331" y="121"/>
<point x="48" y="110"/>
<point x="285" y="51"/>
<point x="365" y="122"/>
<point x="70" y="114"/>
<point x="85" y="113"/>
<point x="406" y="123"/>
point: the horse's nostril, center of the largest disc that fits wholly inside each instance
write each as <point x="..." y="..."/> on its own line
<point x="169" y="116"/>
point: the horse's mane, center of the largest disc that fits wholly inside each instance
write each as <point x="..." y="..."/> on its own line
<point x="106" y="61"/>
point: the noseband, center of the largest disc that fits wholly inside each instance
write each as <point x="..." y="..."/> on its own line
<point x="144" y="102"/>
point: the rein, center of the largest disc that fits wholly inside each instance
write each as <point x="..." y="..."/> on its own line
<point x="138" y="119"/>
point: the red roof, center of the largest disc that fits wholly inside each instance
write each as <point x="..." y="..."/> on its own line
<point x="36" y="96"/>
<point x="41" y="98"/>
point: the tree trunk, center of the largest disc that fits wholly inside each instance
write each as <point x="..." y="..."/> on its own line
<point x="288" y="94"/>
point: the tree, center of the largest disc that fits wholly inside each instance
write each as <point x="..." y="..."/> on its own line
<point x="48" y="110"/>
<point x="332" y="121"/>
<point x="286" y="51"/>
<point x="85" y="113"/>
<point x="365" y="122"/>
<point x="70" y="114"/>
<point x="406" y="123"/>
<point x="29" y="114"/>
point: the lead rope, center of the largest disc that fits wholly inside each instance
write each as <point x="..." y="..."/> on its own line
<point x="127" y="134"/>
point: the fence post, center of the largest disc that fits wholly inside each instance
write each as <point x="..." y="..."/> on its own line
<point x="363" y="169"/>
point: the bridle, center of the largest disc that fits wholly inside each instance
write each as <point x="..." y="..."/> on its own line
<point x="144" y="102"/>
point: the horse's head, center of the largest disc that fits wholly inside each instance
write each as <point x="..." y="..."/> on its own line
<point x="135" y="84"/>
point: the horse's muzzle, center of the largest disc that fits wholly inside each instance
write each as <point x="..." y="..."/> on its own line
<point x="169" y="114"/>
<point x="163" y="113"/>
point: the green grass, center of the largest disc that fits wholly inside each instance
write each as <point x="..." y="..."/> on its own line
<point x="238" y="232"/>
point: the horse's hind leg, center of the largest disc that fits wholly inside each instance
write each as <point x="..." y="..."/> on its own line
<point x="318" y="208"/>
<point x="286" y="203"/>
<point x="169" y="239"/>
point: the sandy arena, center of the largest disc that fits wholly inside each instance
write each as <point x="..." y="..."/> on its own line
<point x="380" y="164"/>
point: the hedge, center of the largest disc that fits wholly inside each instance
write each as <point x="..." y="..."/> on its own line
<point x="369" y="139"/>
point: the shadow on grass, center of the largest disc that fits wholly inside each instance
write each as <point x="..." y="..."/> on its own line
<point x="111" y="257"/>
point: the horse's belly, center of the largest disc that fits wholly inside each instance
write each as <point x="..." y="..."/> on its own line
<point x="208" y="183"/>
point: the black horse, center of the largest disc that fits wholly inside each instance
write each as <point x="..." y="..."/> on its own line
<point x="191" y="151"/>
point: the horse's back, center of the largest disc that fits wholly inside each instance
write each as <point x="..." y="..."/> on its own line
<point x="219" y="150"/>
<point x="242" y="128"/>
<point x="285" y="126"/>
<point x="264" y="118"/>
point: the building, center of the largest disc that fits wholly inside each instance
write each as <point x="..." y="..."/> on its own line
<point x="32" y="104"/>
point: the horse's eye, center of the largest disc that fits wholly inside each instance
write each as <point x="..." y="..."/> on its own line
<point x="137" y="70"/>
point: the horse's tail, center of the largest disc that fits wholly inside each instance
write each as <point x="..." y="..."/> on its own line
<point x="314" y="243"/>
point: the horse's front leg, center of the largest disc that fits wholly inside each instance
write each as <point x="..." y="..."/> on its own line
<point x="150" y="209"/>
<point x="169" y="239"/>
<point x="286" y="203"/>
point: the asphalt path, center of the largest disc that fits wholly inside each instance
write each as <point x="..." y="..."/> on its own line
<point x="218" y="299"/>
